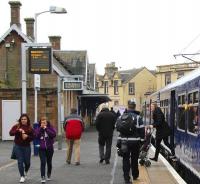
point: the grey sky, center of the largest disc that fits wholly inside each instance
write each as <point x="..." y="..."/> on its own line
<point x="132" y="33"/>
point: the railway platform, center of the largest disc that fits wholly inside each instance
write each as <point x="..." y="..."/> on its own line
<point x="90" y="171"/>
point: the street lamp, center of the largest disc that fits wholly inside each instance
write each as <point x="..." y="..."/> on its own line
<point x="52" y="9"/>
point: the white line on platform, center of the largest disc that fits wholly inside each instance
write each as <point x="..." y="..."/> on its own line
<point x="170" y="169"/>
<point x="114" y="168"/>
<point x="8" y="165"/>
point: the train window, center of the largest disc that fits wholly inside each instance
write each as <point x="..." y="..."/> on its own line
<point x="196" y="97"/>
<point x="181" y="118"/>
<point x="183" y="99"/>
<point x="190" y="98"/>
<point x="192" y="119"/>
<point x="179" y="100"/>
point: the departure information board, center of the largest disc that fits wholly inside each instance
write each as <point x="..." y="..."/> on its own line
<point x="40" y="60"/>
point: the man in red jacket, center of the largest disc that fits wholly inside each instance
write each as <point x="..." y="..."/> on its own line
<point x="73" y="126"/>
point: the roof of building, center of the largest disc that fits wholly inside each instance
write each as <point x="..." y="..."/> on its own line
<point x="127" y="75"/>
<point x="14" y="27"/>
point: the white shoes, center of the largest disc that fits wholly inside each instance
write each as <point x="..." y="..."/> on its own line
<point x="22" y="180"/>
<point x="48" y="178"/>
<point x="43" y="180"/>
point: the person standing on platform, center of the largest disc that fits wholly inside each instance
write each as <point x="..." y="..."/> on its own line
<point x="24" y="134"/>
<point x="46" y="134"/>
<point x="105" y="125"/>
<point x="73" y="126"/>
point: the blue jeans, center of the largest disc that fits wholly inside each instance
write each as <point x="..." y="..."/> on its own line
<point x="46" y="158"/>
<point x="23" y="154"/>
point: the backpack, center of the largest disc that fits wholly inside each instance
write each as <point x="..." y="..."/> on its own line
<point x="73" y="129"/>
<point x="126" y="124"/>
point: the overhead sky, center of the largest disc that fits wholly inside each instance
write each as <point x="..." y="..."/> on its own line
<point x="131" y="33"/>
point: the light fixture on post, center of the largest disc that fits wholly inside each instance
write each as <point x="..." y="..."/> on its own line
<point x="56" y="10"/>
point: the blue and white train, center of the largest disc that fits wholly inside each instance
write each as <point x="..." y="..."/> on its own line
<point x="180" y="102"/>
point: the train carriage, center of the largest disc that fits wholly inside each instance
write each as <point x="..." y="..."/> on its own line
<point x="180" y="102"/>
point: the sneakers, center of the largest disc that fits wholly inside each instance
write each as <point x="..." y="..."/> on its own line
<point x="22" y="179"/>
<point x="77" y="163"/>
<point x="43" y="180"/>
<point x="48" y="177"/>
<point x="26" y="175"/>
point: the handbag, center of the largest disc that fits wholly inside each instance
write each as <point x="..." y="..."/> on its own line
<point x="13" y="153"/>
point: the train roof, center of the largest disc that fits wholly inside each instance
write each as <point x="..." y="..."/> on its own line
<point x="188" y="77"/>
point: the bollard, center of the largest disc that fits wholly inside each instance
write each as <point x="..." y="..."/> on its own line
<point x="36" y="141"/>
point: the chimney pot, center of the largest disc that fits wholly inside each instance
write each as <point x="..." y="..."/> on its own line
<point x="15" y="13"/>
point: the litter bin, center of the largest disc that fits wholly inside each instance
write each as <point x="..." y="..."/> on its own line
<point x="36" y="141"/>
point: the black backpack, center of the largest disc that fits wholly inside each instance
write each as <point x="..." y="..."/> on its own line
<point x="126" y="124"/>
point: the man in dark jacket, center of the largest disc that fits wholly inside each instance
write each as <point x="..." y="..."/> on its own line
<point x="105" y="124"/>
<point x="132" y="144"/>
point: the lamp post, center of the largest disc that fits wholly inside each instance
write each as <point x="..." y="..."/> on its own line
<point x="52" y="9"/>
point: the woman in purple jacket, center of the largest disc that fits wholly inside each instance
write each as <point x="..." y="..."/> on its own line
<point x="46" y="133"/>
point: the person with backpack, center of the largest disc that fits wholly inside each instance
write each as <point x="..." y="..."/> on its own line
<point x="105" y="125"/>
<point x="46" y="134"/>
<point x="132" y="131"/>
<point x="73" y="127"/>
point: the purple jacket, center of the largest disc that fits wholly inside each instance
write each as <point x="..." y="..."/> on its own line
<point x="46" y="136"/>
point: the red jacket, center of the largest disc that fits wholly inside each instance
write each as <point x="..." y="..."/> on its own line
<point x="73" y="126"/>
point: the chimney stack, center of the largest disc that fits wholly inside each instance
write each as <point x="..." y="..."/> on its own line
<point x="55" y="41"/>
<point x="15" y="13"/>
<point x="30" y="27"/>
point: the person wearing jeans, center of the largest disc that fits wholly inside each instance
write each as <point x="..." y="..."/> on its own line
<point x="24" y="134"/>
<point x="46" y="133"/>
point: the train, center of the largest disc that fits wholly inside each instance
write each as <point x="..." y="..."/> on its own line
<point x="180" y="103"/>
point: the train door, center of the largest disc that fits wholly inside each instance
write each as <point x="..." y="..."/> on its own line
<point x="172" y="115"/>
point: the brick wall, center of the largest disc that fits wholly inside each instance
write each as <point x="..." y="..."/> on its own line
<point x="47" y="103"/>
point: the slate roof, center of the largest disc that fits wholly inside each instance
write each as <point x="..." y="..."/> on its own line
<point x="14" y="27"/>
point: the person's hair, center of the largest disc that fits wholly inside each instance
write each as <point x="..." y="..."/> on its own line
<point x="155" y="104"/>
<point x="28" y="119"/>
<point x="43" y="118"/>
<point x="73" y="111"/>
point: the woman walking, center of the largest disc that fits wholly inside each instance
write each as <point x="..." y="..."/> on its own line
<point x="46" y="133"/>
<point x="23" y="133"/>
<point x="162" y="130"/>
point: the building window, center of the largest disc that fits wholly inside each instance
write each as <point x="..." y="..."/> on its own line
<point x="131" y="88"/>
<point x="180" y="74"/>
<point x="105" y="87"/>
<point x="116" y="92"/>
<point x="116" y="102"/>
<point x="167" y="78"/>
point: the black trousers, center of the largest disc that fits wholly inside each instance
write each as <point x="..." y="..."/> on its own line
<point x="46" y="158"/>
<point x="130" y="160"/>
<point x="158" y="142"/>
<point x="105" y="142"/>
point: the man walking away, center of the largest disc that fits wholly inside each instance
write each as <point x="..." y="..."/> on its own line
<point x="73" y="126"/>
<point x="105" y="124"/>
